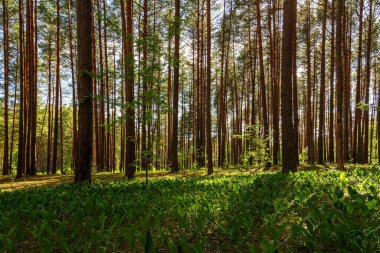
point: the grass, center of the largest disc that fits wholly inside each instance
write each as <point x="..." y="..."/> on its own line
<point x="10" y="183"/>
<point x="233" y="211"/>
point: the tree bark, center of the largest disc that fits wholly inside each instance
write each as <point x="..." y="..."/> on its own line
<point x="173" y="154"/>
<point x="262" y="79"/>
<point x="322" y="100"/>
<point x="73" y="90"/>
<point x="339" y="88"/>
<point x="129" y="95"/>
<point x="288" y="161"/>
<point x="357" y="143"/>
<point x="50" y="114"/>
<point x="332" y="75"/>
<point x="309" y="111"/>
<point x="368" y="82"/>
<point x="21" y="132"/>
<point x="295" y="90"/>
<point x="6" y="165"/>
<point x="210" y="169"/>
<point x="57" y="93"/>
<point x="84" y="9"/>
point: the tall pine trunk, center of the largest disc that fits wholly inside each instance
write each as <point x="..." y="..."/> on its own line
<point x="309" y="110"/>
<point x="130" y="155"/>
<point x="210" y="168"/>
<point x="262" y="79"/>
<point x="173" y="153"/>
<point x="21" y="130"/>
<point x="332" y="75"/>
<point x="6" y="165"/>
<point x="357" y="143"/>
<point x="84" y="9"/>
<point x="73" y="90"/>
<point x="288" y="158"/>
<point x="368" y="82"/>
<point x="339" y="88"/>
<point x="321" y="135"/>
<point x="57" y="93"/>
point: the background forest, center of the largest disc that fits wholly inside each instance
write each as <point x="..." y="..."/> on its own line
<point x="244" y="91"/>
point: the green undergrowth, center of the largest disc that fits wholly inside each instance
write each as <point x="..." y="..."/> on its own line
<point x="261" y="212"/>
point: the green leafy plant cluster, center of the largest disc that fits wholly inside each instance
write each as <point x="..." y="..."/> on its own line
<point x="256" y="154"/>
<point x="262" y="212"/>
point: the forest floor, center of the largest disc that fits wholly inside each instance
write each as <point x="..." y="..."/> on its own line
<point x="318" y="209"/>
<point x="10" y="183"/>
